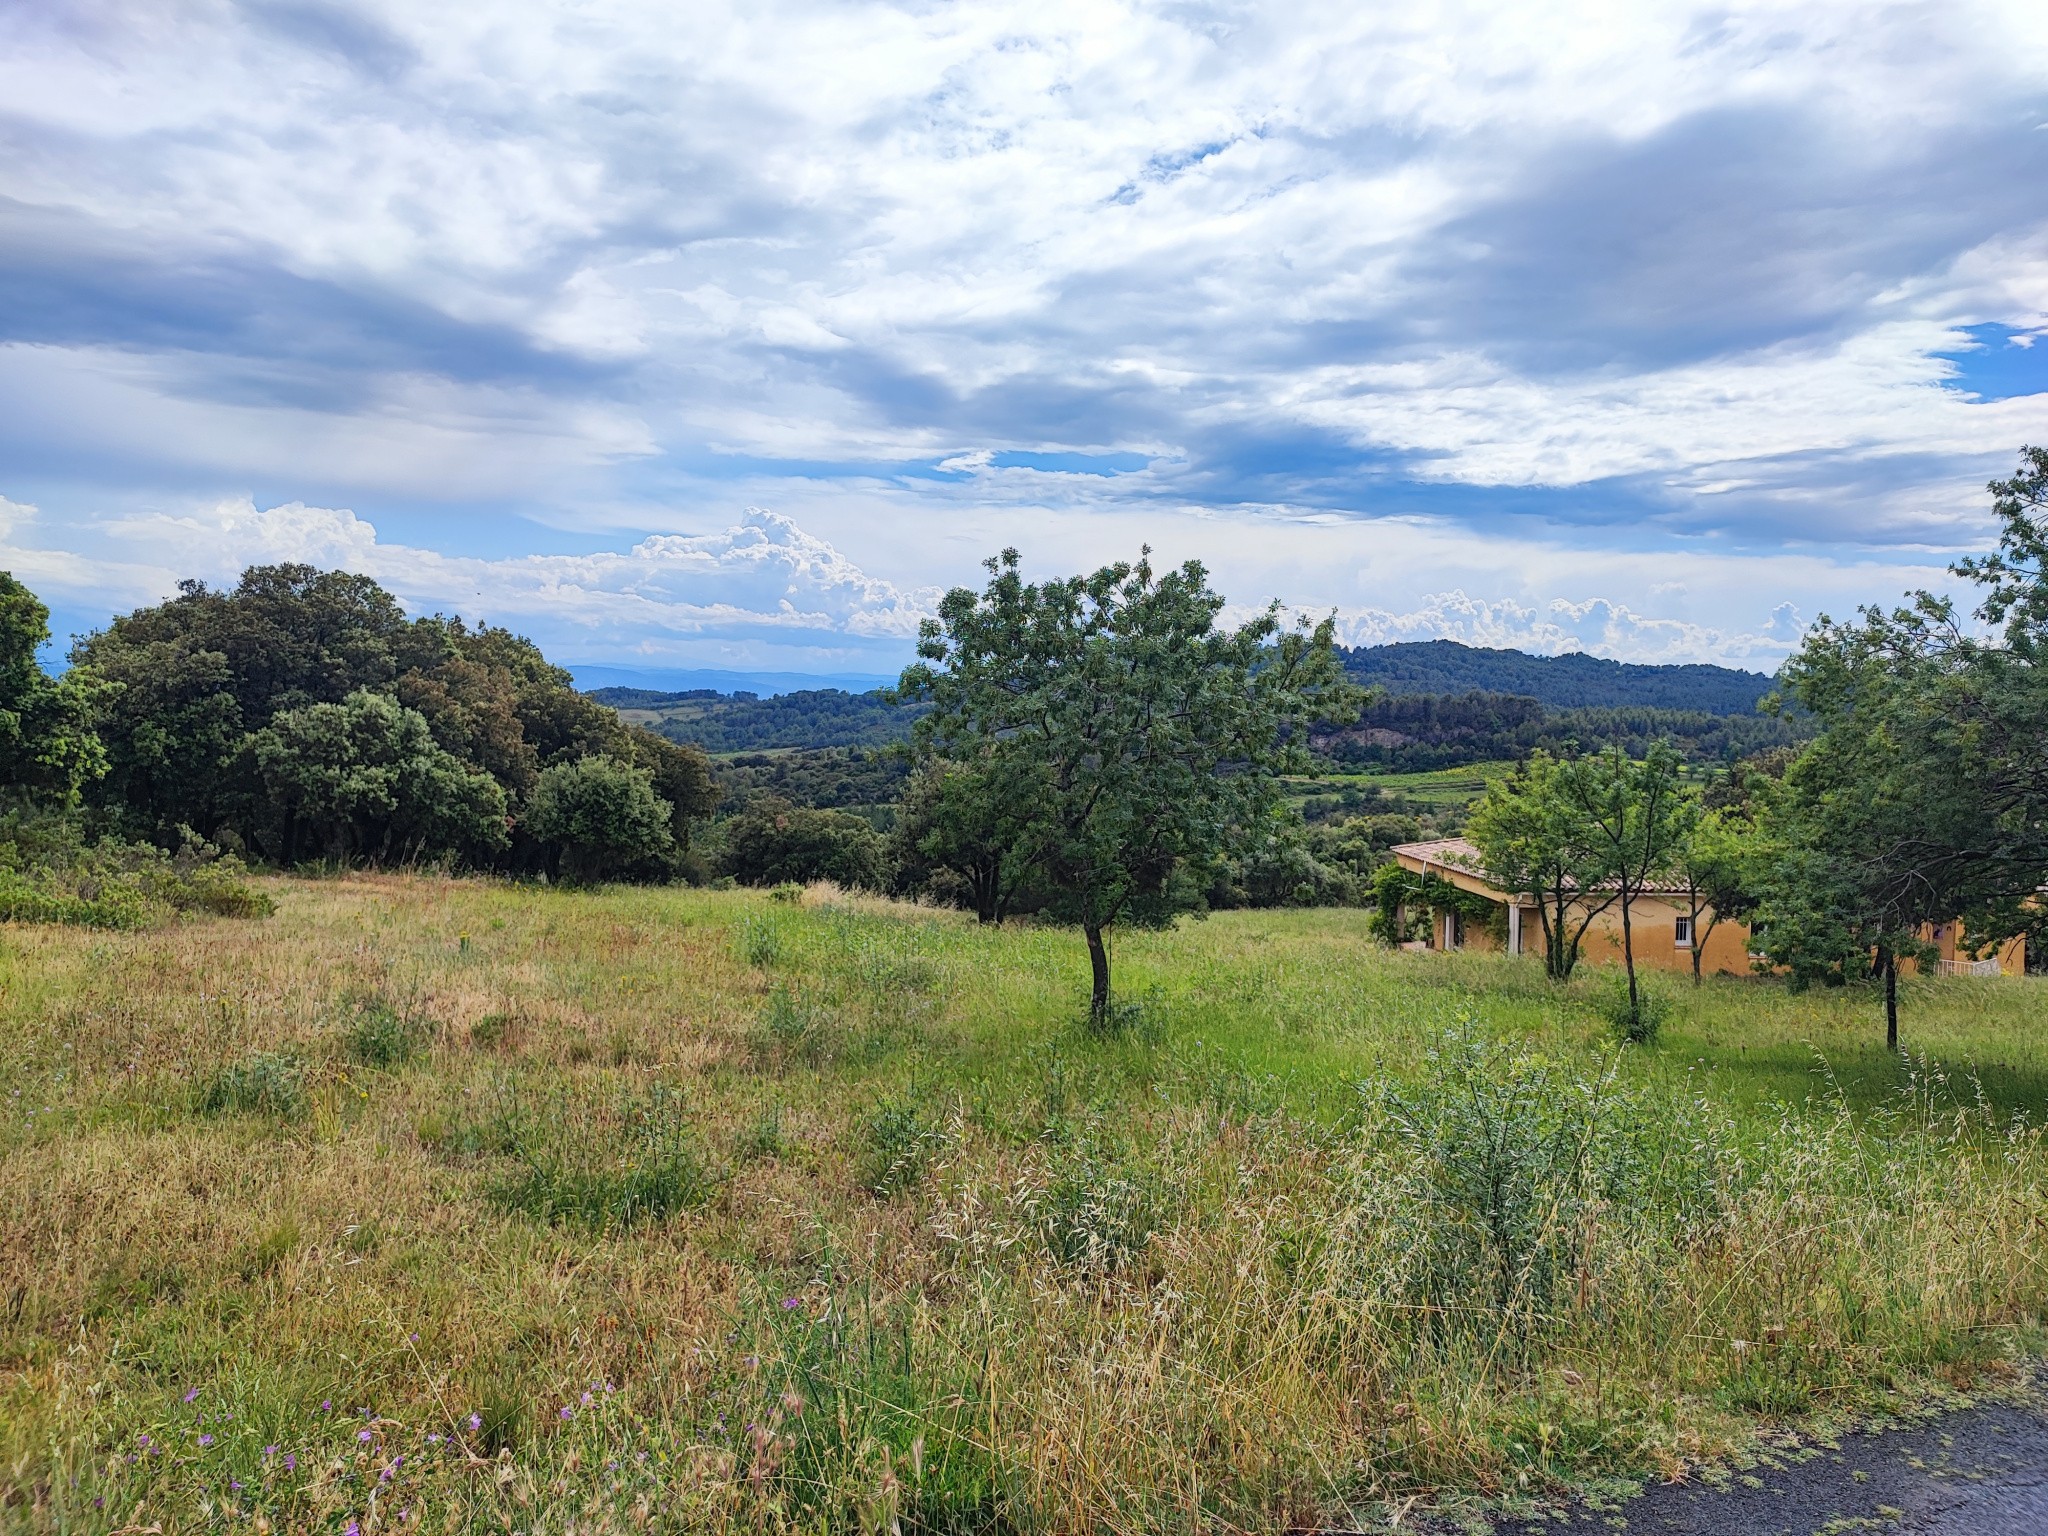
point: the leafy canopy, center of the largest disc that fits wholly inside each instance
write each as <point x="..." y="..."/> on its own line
<point x="1137" y="741"/>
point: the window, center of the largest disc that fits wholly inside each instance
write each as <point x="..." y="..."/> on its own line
<point x="1682" y="932"/>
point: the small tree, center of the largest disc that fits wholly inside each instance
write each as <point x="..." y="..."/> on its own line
<point x="1632" y="815"/>
<point x="1718" y="867"/>
<point x="1534" y="841"/>
<point x="600" y="819"/>
<point x="964" y="820"/>
<point x="1139" y="741"/>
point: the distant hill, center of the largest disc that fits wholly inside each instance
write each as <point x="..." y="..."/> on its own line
<point x="1575" y="681"/>
<point x="723" y="724"/>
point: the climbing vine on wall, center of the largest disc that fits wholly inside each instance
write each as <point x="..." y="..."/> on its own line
<point x="1395" y="889"/>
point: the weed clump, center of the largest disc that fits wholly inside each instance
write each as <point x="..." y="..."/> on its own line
<point x="1638" y="1020"/>
<point x="649" y="1171"/>
<point x="380" y="1036"/>
<point x="899" y="1144"/>
<point x="1096" y="1214"/>
<point x="262" y="1083"/>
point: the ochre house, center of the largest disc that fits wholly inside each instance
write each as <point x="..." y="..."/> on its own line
<point x="1660" y="921"/>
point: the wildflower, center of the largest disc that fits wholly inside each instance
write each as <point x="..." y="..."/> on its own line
<point x="475" y="1423"/>
<point x="326" y="1405"/>
<point x="433" y="1439"/>
<point x="412" y="1338"/>
<point x="291" y="1461"/>
<point x="192" y="1395"/>
<point x="362" y="1434"/>
<point x="269" y="1451"/>
<point x="206" y="1440"/>
<point x="235" y="1484"/>
<point x="352" y="1529"/>
<point x="142" y="1440"/>
<point x="586" y="1399"/>
<point x="567" y="1411"/>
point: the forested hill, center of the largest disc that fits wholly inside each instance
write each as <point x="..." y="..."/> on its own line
<point x="742" y="722"/>
<point x="1576" y="681"/>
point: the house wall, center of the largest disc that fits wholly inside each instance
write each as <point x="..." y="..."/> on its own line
<point x="1653" y="928"/>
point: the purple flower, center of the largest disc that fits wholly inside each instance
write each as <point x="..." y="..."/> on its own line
<point x="433" y="1439"/>
<point x="567" y="1411"/>
<point x="206" y="1439"/>
<point x="352" y="1529"/>
<point x="326" y="1404"/>
<point x="586" y="1399"/>
<point x="269" y="1451"/>
<point x="790" y="1303"/>
<point x="232" y="1483"/>
<point x="475" y="1423"/>
<point x="412" y="1338"/>
<point x="362" y="1434"/>
<point x="291" y="1461"/>
<point x="142" y="1439"/>
<point x="192" y="1396"/>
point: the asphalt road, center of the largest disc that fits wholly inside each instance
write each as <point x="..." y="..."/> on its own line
<point x="1979" y="1471"/>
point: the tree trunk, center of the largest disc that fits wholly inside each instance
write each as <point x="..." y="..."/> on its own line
<point x="1698" y="943"/>
<point x="1628" y="959"/>
<point x="1890" y="962"/>
<point x="1098" y="961"/>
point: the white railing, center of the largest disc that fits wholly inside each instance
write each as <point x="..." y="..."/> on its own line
<point x="1966" y="968"/>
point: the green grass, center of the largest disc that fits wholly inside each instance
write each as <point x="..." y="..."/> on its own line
<point x="805" y="1216"/>
<point x="1437" y="789"/>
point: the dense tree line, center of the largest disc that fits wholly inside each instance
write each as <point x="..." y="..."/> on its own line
<point x="1574" y="681"/>
<point x="1415" y="733"/>
<point x="302" y="716"/>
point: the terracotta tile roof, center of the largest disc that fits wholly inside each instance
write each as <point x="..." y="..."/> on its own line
<point x="1458" y="854"/>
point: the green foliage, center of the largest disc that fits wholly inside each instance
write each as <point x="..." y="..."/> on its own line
<point x="1534" y="842"/>
<point x="1636" y="1016"/>
<point x="1415" y="732"/>
<point x="49" y="873"/>
<point x="262" y="1083"/>
<point x="366" y="779"/>
<point x="743" y="722"/>
<point x="1514" y="1158"/>
<point x="378" y="1035"/>
<point x="1402" y="900"/>
<point x="960" y="834"/>
<point x="218" y="711"/>
<point x="1097" y="1212"/>
<point x="1133" y="741"/>
<point x="49" y="750"/>
<point x="600" y="819"/>
<point x="772" y="842"/>
<point x="898" y="1145"/>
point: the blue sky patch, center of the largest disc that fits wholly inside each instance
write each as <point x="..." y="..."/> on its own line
<point x="2004" y="364"/>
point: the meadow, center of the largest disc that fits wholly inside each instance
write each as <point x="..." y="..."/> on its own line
<point x="430" y="1204"/>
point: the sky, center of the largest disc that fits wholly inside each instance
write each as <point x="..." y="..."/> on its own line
<point x="707" y="337"/>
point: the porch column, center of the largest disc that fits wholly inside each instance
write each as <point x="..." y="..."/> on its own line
<point x="1514" y="928"/>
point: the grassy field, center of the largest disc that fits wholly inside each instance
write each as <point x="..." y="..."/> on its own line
<point x="431" y="1205"/>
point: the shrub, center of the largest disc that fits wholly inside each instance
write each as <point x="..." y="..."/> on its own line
<point x="380" y="1036"/>
<point x="772" y="842"/>
<point x="262" y="1083"/>
<point x="601" y="820"/>
<point x="1510" y="1158"/>
<point x="50" y="874"/>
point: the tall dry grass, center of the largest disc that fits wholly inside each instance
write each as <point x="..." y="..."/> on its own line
<point x="455" y="1206"/>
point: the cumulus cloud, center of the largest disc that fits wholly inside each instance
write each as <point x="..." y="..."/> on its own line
<point x="760" y="590"/>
